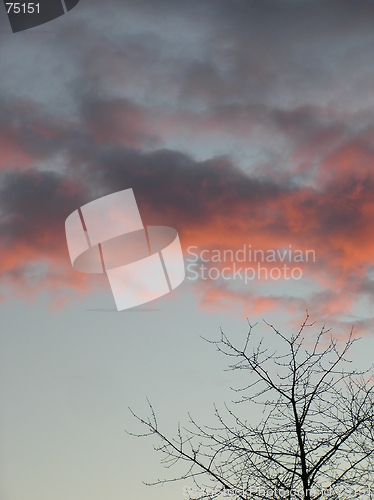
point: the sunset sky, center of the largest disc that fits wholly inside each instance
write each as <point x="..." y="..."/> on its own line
<point x="241" y="124"/>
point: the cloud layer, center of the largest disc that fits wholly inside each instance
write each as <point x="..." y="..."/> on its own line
<point x="234" y="122"/>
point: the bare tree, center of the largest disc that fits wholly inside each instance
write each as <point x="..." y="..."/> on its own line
<point x="314" y="438"/>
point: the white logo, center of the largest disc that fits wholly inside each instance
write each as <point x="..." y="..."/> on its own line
<point x="107" y="236"/>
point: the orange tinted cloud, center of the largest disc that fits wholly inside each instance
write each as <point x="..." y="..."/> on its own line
<point x="212" y="204"/>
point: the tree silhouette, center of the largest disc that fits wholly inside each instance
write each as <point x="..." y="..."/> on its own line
<point x="314" y="438"/>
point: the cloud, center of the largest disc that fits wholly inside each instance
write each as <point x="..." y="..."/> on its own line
<point x="213" y="204"/>
<point x="117" y="121"/>
<point x="33" y="208"/>
<point x="151" y="91"/>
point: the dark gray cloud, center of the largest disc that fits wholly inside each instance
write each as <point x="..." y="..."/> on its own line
<point x="34" y="206"/>
<point x="127" y="94"/>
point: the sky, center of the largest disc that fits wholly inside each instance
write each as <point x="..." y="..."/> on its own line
<point x="246" y="126"/>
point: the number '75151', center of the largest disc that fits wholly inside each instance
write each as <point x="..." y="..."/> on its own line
<point x="23" y="8"/>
